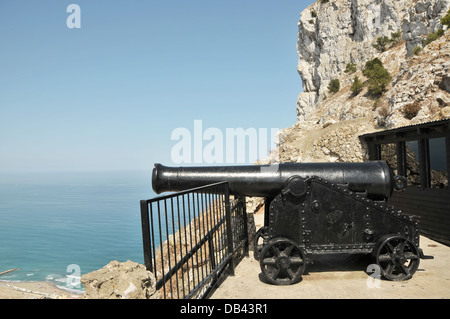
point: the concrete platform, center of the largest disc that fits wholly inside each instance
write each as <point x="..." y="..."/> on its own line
<point x="343" y="277"/>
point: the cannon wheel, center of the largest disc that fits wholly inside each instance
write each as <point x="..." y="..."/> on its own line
<point x="259" y="242"/>
<point x="397" y="258"/>
<point x="282" y="261"/>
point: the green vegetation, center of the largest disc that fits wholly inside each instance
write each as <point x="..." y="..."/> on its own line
<point x="378" y="77"/>
<point x="313" y="13"/>
<point x="357" y="86"/>
<point x="370" y="65"/>
<point x="383" y="43"/>
<point x="396" y="37"/>
<point x="446" y="19"/>
<point x="350" y="68"/>
<point x="334" y="86"/>
<point x="433" y="36"/>
<point x="416" y="50"/>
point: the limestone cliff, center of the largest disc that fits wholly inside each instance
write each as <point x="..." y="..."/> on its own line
<point x="333" y="33"/>
<point x="331" y="132"/>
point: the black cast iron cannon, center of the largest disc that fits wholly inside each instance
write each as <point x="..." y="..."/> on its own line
<point x="315" y="208"/>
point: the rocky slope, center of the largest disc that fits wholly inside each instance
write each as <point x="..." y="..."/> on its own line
<point x="333" y="33"/>
<point x="331" y="132"/>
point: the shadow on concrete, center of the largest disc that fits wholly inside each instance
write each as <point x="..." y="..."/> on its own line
<point x="333" y="262"/>
<point x="338" y="262"/>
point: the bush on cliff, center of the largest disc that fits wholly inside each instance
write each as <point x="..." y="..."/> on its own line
<point x="433" y="36"/>
<point x="378" y="77"/>
<point x="446" y="19"/>
<point x="370" y="66"/>
<point x="334" y="86"/>
<point x="357" y="86"/>
<point x="396" y="37"/>
<point x="382" y="43"/>
<point x="350" y="68"/>
<point x="416" y="50"/>
<point x="411" y="110"/>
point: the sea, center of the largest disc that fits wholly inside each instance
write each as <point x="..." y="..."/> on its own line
<point x="57" y="226"/>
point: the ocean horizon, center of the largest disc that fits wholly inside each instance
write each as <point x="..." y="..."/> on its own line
<point x="57" y="226"/>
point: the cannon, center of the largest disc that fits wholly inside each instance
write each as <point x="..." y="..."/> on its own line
<point x="316" y="209"/>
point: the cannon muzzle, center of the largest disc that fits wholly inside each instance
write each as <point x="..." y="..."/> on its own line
<point x="375" y="178"/>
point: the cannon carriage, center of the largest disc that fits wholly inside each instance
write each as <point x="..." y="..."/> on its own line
<point x="316" y="208"/>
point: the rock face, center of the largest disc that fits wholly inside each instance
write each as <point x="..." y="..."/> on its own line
<point x="330" y="132"/>
<point x="128" y="280"/>
<point x="335" y="33"/>
<point x="421" y="79"/>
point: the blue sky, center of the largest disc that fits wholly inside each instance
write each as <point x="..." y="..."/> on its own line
<point x="108" y="95"/>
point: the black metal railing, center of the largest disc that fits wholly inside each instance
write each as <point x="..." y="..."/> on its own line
<point x="190" y="238"/>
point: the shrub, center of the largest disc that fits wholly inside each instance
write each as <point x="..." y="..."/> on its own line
<point x="446" y="19"/>
<point x="410" y="110"/>
<point x="313" y="13"/>
<point x="383" y="111"/>
<point x="378" y="80"/>
<point x="383" y="115"/>
<point x="433" y="36"/>
<point x="350" y="68"/>
<point x="378" y="77"/>
<point x="416" y="50"/>
<point x="370" y="66"/>
<point x="382" y="43"/>
<point x="334" y="86"/>
<point x="357" y="86"/>
<point x="396" y="37"/>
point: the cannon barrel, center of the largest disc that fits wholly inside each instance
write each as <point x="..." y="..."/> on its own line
<point x="375" y="177"/>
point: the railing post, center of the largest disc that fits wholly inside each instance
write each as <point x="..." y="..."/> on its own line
<point x="229" y="229"/>
<point x="244" y="211"/>
<point x="146" y="236"/>
<point x="211" y="252"/>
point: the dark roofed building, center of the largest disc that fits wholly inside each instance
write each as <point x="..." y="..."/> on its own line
<point x="421" y="153"/>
